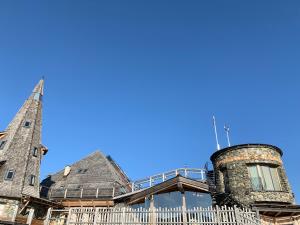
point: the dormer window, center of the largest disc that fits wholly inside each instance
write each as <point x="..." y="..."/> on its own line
<point x="2" y="144"/>
<point x="31" y="180"/>
<point x="35" y="151"/>
<point x="27" y="124"/>
<point x="9" y="175"/>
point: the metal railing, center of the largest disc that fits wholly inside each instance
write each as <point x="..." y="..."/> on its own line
<point x="193" y="173"/>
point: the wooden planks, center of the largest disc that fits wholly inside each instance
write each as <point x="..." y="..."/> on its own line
<point x="158" y="216"/>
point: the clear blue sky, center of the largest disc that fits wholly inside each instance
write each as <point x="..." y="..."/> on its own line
<point x="140" y="80"/>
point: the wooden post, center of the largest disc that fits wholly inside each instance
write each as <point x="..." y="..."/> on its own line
<point x="68" y="217"/>
<point x="30" y="216"/>
<point x="218" y="215"/>
<point x="184" y="211"/>
<point x="152" y="211"/>
<point x="113" y="191"/>
<point x="81" y="192"/>
<point x="123" y="216"/>
<point x="48" y="216"/>
<point x="237" y="215"/>
<point x="15" y="213"/>
<point x="65" y="195"/>
<point x="97" y="192"/>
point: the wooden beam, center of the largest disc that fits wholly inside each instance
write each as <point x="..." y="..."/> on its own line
<point x="87" y="203"/>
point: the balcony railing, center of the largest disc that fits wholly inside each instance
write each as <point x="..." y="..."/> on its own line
<point x="80" y="193"/>
<point x="193" y="173"/>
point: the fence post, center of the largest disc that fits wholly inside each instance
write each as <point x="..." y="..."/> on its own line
<point x="218" y="215"/>
<point x="237" y="215"/>
<point x="68" y="217"/>
<point x="123" y="216"/>
<point x="48" y="215"/>
<point x="184" y="211"/>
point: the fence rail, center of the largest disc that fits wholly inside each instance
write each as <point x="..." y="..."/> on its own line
<point x="160" y="216"/>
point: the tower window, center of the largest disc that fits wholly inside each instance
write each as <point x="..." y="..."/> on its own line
<point x="2" y="143"/>
<point x="35" y="151"/>
<point x="9" y="175"/>
<point x="27" y="124"/>
<point x="32" y="180"/>
<point x="264" y="178"/>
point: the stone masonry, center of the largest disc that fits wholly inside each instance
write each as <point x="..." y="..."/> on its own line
<point x="232" y="176"/>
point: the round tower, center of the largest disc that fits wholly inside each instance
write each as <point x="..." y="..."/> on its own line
<point x="251" y="173"/>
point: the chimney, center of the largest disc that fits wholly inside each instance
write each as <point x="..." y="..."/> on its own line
<point x="67" y="170"/>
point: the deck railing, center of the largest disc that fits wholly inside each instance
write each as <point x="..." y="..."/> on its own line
<point x="193" y="173"/>
<point x="79" y="193"/>
<point x="161" y="216"/>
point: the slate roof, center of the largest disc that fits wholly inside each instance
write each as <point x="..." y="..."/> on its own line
<point x="92" y="172"/>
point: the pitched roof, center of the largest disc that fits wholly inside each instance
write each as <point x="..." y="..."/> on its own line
<point x="92" y="172"/>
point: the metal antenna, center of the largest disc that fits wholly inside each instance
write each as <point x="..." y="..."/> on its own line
<point x="216" y="133"/>
<point x="226" y="128"/>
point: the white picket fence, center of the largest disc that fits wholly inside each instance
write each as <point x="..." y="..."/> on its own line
<point x="160" y="216"/>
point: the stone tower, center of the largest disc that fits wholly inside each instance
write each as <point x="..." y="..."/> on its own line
<point x="21" y="149"/>
<point x="251" y="174"/>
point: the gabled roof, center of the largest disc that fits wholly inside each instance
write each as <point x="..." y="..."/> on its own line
<point x="92" y="172"/>
<point x="178" y="183"/>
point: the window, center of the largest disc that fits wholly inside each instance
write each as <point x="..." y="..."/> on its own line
<point x="9" y="175"/>
<point x="2" y="143"/>
<point x="264" y="177"/>
<point x="35" y="151"/>
<point x="197" y="199"/>
<point x="27" y="124"/>
<point x="31" y="180"/>
<point x="81" y="171"/>
<point x="169" y="200"/>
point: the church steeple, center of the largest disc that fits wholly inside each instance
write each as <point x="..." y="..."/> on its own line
<point x="21" y="149"/>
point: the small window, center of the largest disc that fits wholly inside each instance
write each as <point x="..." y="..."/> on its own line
<point x="9" y="175"/>
<point x="35" y="151"/>
<point x="32" y="180"/>
<point x="27" y="124"/>
<point x="2" y="143"/>
<point x="82" y="171"/>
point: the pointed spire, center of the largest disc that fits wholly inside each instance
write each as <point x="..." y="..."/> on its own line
<point x="22" y="149"/>
<point x="38" y="90"/>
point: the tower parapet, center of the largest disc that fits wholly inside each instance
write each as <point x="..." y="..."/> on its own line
<point x="252" y="173"/>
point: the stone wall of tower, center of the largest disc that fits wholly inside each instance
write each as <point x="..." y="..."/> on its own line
<point x="232" y="173"/>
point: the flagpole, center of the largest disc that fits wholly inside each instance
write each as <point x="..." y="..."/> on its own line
<point x="227" y="134"/>
<point x="216" y="133"/>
